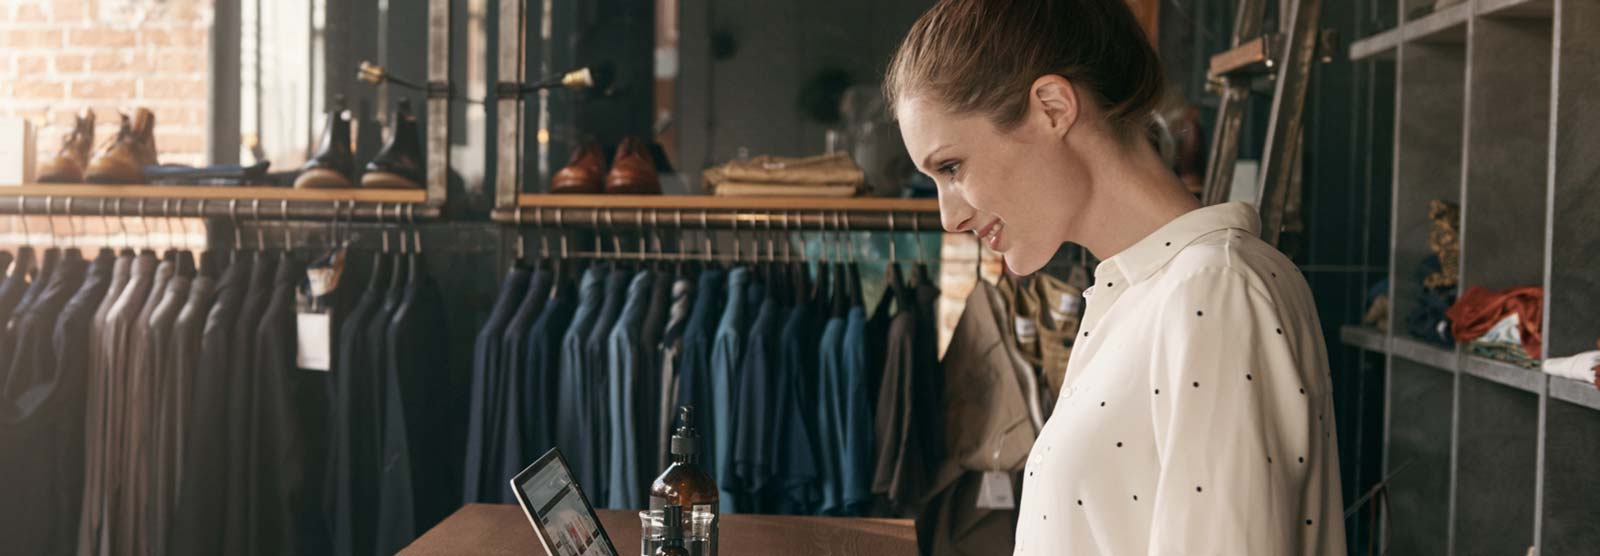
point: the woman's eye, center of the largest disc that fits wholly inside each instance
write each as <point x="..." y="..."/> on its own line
<point x="950" y="169"/>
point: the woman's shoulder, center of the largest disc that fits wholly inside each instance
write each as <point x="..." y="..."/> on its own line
<point x="1228" y="258"/>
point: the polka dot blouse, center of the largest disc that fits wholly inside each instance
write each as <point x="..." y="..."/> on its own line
<point x="1196" y="416"/>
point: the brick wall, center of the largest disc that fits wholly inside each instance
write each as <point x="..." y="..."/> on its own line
<point x="59" y="56"/>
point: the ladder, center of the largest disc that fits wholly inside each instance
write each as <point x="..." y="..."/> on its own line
<point x="1285" y="57"/>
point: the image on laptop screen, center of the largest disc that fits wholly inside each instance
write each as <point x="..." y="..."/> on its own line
<point x="564" y="520"/>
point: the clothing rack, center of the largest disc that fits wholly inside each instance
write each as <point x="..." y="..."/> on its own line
<point x="237" y="203"/>
<point x="690" y="212"/>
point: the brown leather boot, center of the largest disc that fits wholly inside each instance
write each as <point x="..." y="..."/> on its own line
<point x="582" y="173"/>
<point x="632" y="171"/>
<point x="334" y="163"/>
<point x="125" y="157"/>
<point x="399" y="165"/>
<point x="68" y="164"/>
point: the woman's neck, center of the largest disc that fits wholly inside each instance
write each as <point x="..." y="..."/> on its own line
<point x="1131" y="195"/>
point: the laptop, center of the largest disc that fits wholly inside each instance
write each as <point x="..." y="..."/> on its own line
<point x="561" y="515"/>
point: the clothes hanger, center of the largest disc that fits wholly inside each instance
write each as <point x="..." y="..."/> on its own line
<point x="895" y="282"/>
<point x="923" y="275"/>
<point x="24" y="262"/>
<point x="852" y="270"/>
<point x="73" y="252"/>
<point x="186" y="262"/>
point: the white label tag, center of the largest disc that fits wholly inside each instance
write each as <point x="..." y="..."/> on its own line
<point x="314" y="351"/>
<point x="995" y="494"/>
<point x="1068" y="303"/>
<point x="1026" y="329"/>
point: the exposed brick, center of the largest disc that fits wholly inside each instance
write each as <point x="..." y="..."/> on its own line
<point x="69" y="11"/>
<point x="72" y="63"/>
<point x="177" y="142"/>
<point x="118" y="38"/>
<point x="40" y="88"/>
<point x="189" y="37"/>
<point x="112" y="61"/>
<point x="29" y="13"/>
<point x="32" y="65"/>
<point x="172" y="88"/>
<point x="181" y="61"/>
<point x="30" y="38"/>
<point x="104" y="88"/>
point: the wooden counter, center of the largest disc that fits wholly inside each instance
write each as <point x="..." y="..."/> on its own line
<point x="490" y="529"/>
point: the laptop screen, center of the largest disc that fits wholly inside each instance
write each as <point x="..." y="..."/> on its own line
<point x="560" y="513"/>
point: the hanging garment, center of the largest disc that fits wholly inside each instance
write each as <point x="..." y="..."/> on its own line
<point x="13" y="320"/>
<point x="988" y="426"/>
<point x="157" y="503"/>
<point x="694" y="361"/>
<point x="647" y="399"/>
<point x="626" y="373"/>
<point x="515" y="453"/>
<point x="830" y="402"/>
<point x="96" y="420"/>
<point x="596" y="365"/>
<point x="118" y="345"/>
<point x="908" y="413"/>
<point x="356" y="440"/>
<point x="179" y="413"/>
<point x="795" y="432"/>
<point x="243" y="457"/>
<point x="201" y="520"/>
<point x="134" y="516"/>
<point x="541" y="370"/>
<point x="42" y="409"/>
<point x="482" y="482"/>
<point x="1478" y="310"/>
<point x="420" y="389"/>
<point x="856" y="422"/>
<point x="574" y="404"/>
<point x="396" y="515"/>
<point x="284" y="426"/>
<point x="754" y="469"/>
<point x="725" y="356"/>
<point x="670" y="350"/>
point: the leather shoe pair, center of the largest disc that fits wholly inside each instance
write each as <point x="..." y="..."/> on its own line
<point x="334" y="163"/>
<point x="633" y="171"/>
<point x="399" y="164"/>
<point x="125" y="156"/>
<point x="69" y="163"/>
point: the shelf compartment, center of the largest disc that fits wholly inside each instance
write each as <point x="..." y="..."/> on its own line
<point x="1430" y="116"/>
<point x="1420" y="404"/>
<point x="1572" y="295"/>
<point x="1380" y="44"/>
<point x="1496" y="467"/>
<point x="1572" y="438"/>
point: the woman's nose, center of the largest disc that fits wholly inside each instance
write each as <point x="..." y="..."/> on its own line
<point x="954" y="212"/>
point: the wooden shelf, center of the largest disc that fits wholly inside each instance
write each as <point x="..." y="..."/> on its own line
<point x="1381" y="43"/>
<point x="710" y="202"/>
<point x="1364" y="337"/>
<point x="1506" y="374"/>
<point x="206" y="192"/>
<point x="1446" y="25"/>
<point x="1418" y="351"/>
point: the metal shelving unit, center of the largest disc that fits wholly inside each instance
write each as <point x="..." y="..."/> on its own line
<point x="1489" y="112"/>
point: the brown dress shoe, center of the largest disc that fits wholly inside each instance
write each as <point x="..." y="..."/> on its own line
<point x="582" y="173"/>
<point x="68" y="165"/>
<point x="399" y="165"/>
<point x="632" y="171"/>
<point x="125" y="157"/>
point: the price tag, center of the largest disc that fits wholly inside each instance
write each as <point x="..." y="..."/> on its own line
<point x="315" y="344"/>
<point x="996" y="493"/>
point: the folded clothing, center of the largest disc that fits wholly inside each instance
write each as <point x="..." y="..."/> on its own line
<point x="219" y="174"/>
<point x="1503" y="342"/>
<point x="826" y="175"/>
<point x="1478" y="310"/>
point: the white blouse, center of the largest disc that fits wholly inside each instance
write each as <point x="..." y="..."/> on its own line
<point x="1197" y="412"/>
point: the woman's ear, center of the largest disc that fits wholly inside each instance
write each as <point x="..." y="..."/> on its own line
<point x="1054" y="100"/>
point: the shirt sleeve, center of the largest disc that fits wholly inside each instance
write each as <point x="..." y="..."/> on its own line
<point x="1230" y="421"/>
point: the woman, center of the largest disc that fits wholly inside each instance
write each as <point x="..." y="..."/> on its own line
<point x="1196" y="416"/>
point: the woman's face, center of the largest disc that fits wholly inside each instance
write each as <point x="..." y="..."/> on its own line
<point x="1017" y="190"/>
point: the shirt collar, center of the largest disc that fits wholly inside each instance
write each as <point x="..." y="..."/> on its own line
<point x="1153" y="252"/>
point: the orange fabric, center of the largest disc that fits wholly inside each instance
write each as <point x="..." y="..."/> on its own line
<point x="1478" y="309"/>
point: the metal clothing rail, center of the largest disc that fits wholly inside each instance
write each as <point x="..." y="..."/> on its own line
<point x="638" y="218"/>
<point x="236" y="209"/>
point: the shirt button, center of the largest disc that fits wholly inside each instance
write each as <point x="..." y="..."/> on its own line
<point x="1066" y="391"/>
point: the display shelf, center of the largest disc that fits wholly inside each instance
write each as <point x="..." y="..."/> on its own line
<point x="213" y="193"/>
<point x="1571" y="518"/>
<point x="1517" y="8"/>
<point x="1575" y="392"/>
<point x="1446" y="25"/>
<point x="1506" y="374"/>
<point x="1426" y="354"/>
<point x="1380" y="44"/>
<point x="1364" y="337"/>
<point x="1419" y="435"/>
<point x="712" y="202"/>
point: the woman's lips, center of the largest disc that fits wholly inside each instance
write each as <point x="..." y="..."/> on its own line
<point x="991" y="234"/>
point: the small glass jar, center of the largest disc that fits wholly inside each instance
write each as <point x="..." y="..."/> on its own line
<point x="651" y="532"/>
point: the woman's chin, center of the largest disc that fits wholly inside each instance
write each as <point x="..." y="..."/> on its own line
<point x="1018" y="261"/>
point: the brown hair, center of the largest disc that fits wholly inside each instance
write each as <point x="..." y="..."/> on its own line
<point x="982" y="56"/>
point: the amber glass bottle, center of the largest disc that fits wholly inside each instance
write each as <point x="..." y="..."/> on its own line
<point x="672" y="541"/>
<point x="686" y="485"/>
